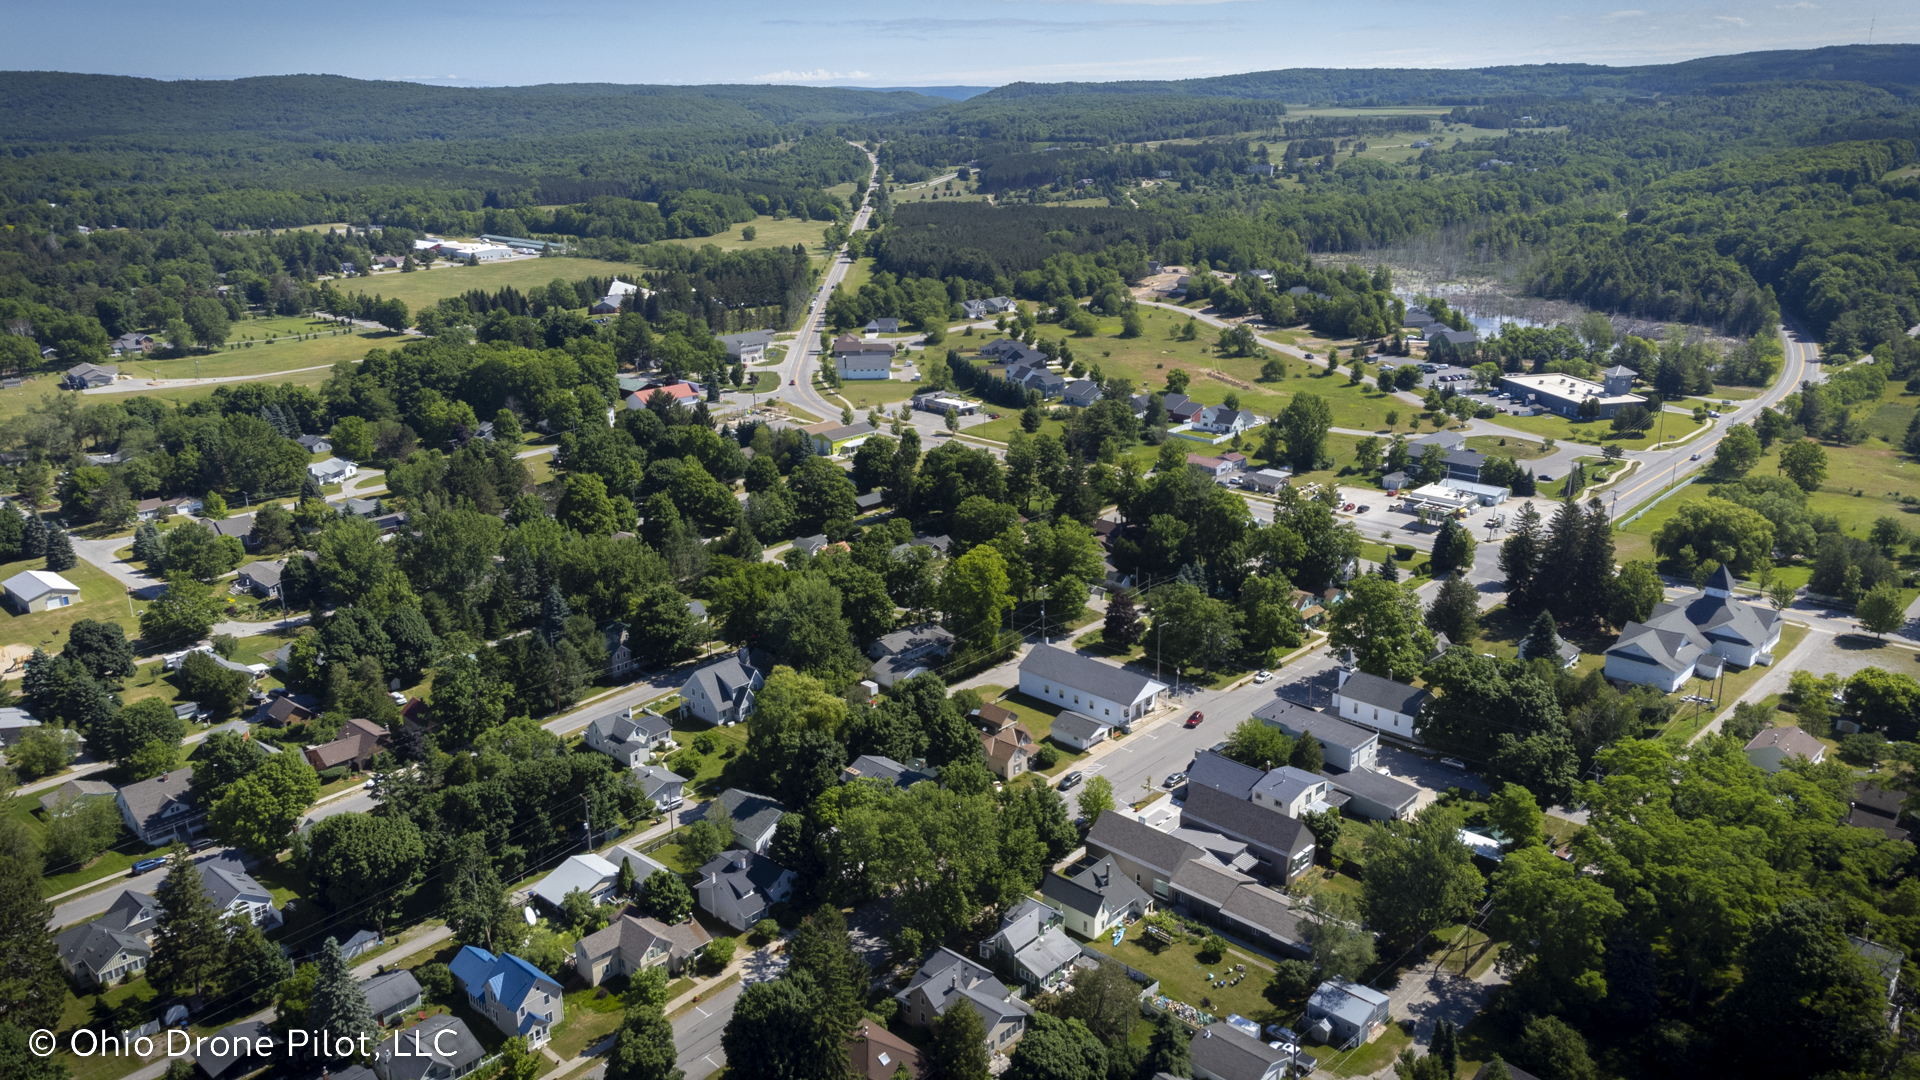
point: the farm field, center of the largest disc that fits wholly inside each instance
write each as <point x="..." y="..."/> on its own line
<point x="18" y="400"/>
<point x="423" y="287"/>
<point x="265" y="355"/>
<point x="768" y="233"/>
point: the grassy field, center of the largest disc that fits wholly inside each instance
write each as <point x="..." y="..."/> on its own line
<point x="42" y="390"/>
<point x="1863" y="483"/>
<point x="1037" y="716"/>
<point x="423" y="287"/>
<point x="101" y="598"/>
<point x="264" y="355"/>
<point x="1673" y="428"/>
<point x="866" y="393"/>
<point x="1502" y="446"/>
<point x="768" y="233"/>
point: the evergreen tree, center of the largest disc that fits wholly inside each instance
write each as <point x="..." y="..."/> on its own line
<point x="1388" y="570"/>
<point x="1167" y="1050"/>
<point x="1560" y="561"/>
<point x="337" y="1004"/>
<point x="310" y="488"/>
<point x="1543" y="638"/>
<point x="33" y="989"/>
<point x="60" y="556"/>
<point x="255" y="966"/>
<point x="476" y="902"/>
<point x="1452" y="548"/>
<point x="188" y="946"/>
<point x="1122" y="629"/>
<point x="822" y="948"/>
<point x="1446" y="1047"/>
<point x="33" y="540"/>
<point x="958" y="1049"/>
<point x="623" y="881"/>
<point x="1455" y="611"/>
<point x="146" y="544"/>
<point x="553" y="614"/>
<point x="1520" y="557"/>
<point x="1593" y="573"/>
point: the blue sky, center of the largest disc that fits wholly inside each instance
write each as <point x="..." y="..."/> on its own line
<point x="857" y="42"/>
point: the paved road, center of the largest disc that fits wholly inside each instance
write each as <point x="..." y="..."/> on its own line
<point x="82" y="908"/>
<point x="806" y="346"/>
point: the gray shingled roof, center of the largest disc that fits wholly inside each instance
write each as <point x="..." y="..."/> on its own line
<point x="1211" y="770"/>
<point x="752" y="814"/>
<point x="1328" y="729"/>
<point x="1077" y="726"/>
<point x="1084" y="891"/>
<point x="1088" y="675"/>
<point x="741" y="890"/>
<point x="1383" y="693"/>
<point x="388" y="992"/>
<point x="1374" y="787"/>
<point x="1136" y="841"/>
<point x="1243" y="820"/>
<point x="146" y="800"/>
<point x="463" y="1050"/>
<point x="1224" y="1051"/>
<point x="91" y="945"/>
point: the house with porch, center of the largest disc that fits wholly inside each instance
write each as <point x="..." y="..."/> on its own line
<point x="1105" y="692"/>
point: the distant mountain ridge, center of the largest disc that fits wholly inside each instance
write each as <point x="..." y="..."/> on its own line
<point x="951" y="93"/>
<point x="1887" y="66"/>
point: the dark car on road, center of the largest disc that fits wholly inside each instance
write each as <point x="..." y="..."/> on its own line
<point x="1070" y="781"/>
<point x="145" y="865"/>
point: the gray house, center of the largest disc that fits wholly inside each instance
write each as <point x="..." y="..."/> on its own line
<point x="162" y="809"/>
<point x="1375" y="795"/>
<point x="1221" y="1051"/>
<point x="438" y="1048"/>
<point x="1145" y="854"/>
<point x="392" y="995"/>
<point x="628" y="738"/>
<point x="96" y="955"/>
<point x="754" y="818"/>
<point x="1354" y="1014"/>
<point x="909" y="651"/>
<point x="1096" y="898"/>
<point x="947" y="979"/>
<point x="1031" y="939"/>
<point x="739" y="887"/>
<point x="665" y="787"/>
<point x="1283" y="845"/>
<point x="262" y="578"/>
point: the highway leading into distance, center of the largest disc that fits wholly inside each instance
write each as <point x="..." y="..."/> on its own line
<point x="807" y="344"/>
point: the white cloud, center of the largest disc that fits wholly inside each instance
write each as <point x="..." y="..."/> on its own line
<point x="1614" y="16"/>
<point x="1733" y="20"/>
<point x="819" y="75"/>
<point x="1801" y="6"/>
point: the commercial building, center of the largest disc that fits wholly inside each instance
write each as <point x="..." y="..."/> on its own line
<point x="1563" y="394"/>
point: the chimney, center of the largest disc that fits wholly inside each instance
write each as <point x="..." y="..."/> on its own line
<point x="740" y="860"/>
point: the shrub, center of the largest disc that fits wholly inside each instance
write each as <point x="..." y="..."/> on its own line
<point x="435" y="979"/>
<point x="764" y="931"/>
<point x="328" y="776"/>
<point x="1046" y="757"/>
<point x="718" y="954"/>
<point x="704" y="743"/>
<point x="1213" y="949"/>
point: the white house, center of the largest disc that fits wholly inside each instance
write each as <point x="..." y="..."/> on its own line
<point x="1096" y="898"/>
<point x="629" y="738"/>
<point x="1078" y="730"/>
<point x="1221" y="420"/>
<point x="333" y="470"/>
<point x="1105" y="692"/>
<point x="740" y="887"/>
<point x="1695" y="637"/>
<point x="722" y="692"/>
<point x="587" y="873"/>
<point x="1381" y="704"/>
<point x="1342" y="745"/>
<point x="1774" y="747"/>
<point x="40" y="590"/>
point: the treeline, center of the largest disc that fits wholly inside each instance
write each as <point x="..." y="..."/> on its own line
<point x="1089" y="118"/>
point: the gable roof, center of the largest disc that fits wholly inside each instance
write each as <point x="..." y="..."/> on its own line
<point x="1244" y="820"/>
<point x="1226" y="1052"/>
<point x="1101" y="882"/>
<point x="1374" y="787"/>
<point x="585" y="872"/>
<point x="1088" y="675"/>
<point x="864" y="361"/>
<point x="31" y="585"/>
<point x="1330" y="730"/>
<point x="147" y="800"/>
<point x="1383" y="693"/>
<point x="946" y="977"/>
<point x="225" y="884"/>
<point x="1790" y="741"/>
<point x="1213" y="770"/>
<point x="389" y="991"/>
<point x="1136" y="841"/>
<point x="507" y="977"/>
<point x="877" y="1054"/>
<point x="727" y="679"/>
<point x="74" y="789"/>
<point x="1077" y="726"/>
<point x="753" y="815"/>
<point x="462" y="1049"/>
<point x="736" y="884"/>
<point x="91" y="946"/>
<point x="633" y="936"/>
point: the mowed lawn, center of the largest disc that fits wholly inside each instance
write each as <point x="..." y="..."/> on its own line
<point x="423" y="287"/>
<point x="1863" y="483"/>
<point x="44" y="388"/>
<point x="768" y="233"/>
<point x="264" y="355"/>
<point x="101" y="598"/>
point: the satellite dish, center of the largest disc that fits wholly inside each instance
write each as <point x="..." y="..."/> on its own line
<point x="528" y="912"/>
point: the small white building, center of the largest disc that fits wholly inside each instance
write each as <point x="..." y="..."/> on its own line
<point x="1104" y="692"/>
<point x="1266" y="481"/>
<point x="333" y="470"/>
<point x="1342" y="745"/>
<point x="1381" y="704"/>
<point x="40" y="590"/>
<point x="1079" y="731"/>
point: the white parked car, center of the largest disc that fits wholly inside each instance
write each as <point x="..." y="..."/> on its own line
<point x="1262" y="676"/>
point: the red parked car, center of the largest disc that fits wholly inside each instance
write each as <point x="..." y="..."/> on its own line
<point x="1194" y="720"/>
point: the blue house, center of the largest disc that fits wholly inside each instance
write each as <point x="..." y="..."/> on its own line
<point x="519" y="998"/>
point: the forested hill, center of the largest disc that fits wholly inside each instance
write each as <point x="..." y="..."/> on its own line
<point x="38" y="106"/>
<point x="1876" y="65"/>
